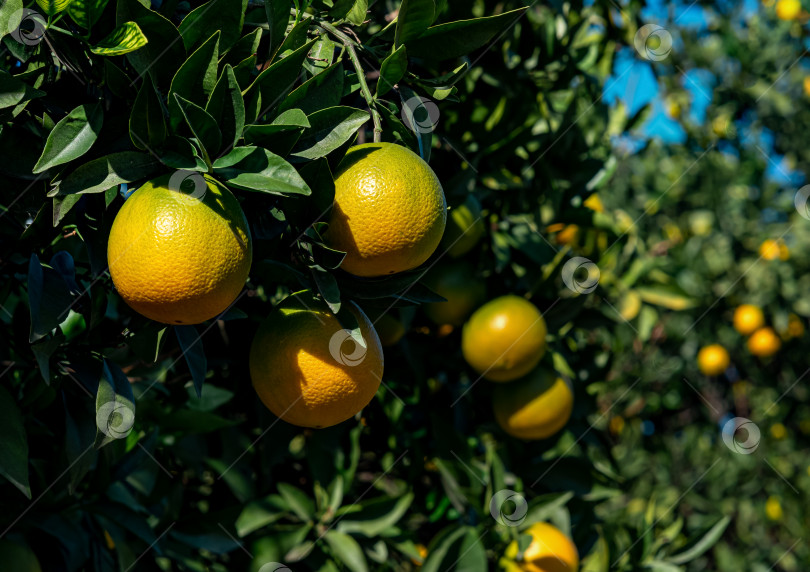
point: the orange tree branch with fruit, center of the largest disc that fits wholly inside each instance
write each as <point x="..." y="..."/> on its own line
<point x="310" y="285"/>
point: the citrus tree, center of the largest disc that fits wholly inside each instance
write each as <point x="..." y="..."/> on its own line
<point x="243" y="330"/>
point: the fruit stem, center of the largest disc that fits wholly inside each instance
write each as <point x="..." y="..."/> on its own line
<point x="349" y="44"/>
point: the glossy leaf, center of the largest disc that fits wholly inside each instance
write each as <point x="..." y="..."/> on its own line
<point x="147" y="125"/>
<point x="86" y="12"/>
<point x="124" y="39"/>
<point x="392" y="70"/>
<point x="72" y="137"/>
<point x="195" y="80"/>
<point x="456" y="39"/>
<point x="227" y="108"/>
<point x="100" y="174"/>
<point x="115" y="405"/>
<point x="192" y="349"/>
<point x="260" y="170"/>
<point x="227" y="16"/>
<point x="413" y="19"/>
<point x="202" y="125"/>
<point x="330" y="128"/>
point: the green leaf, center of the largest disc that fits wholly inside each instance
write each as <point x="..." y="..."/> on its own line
<point x="278" y="16"/>
<point x="100" y="174"/>
<point x="10" y="16"/>
<point x="146" y="342"/>
<point x="413" y="19"/>
<point x="195" y="80"/>
<point x="49" y="298"/>
<point x="179" y="153"/>
<point x="72" y="137"/>
<point x="392" y="70"/>
<point x="164" y="49"/>
<point x="115" y="405"/>
<point x="456" y="39"/>
<point x="274" y="83"/>
<point x="352" y="10"/>
<point x="700" y="545"/>
<point x="86" y="12"/>
<point x="147" y="125"/>
<point x="260" y="170"/>
<point x="296" y="38"/>
<point x="202" y="125"/>
<point x="226" y="16"/>
<point x="43" y="350"/>
<point x="124" y="39"/>
<point x="227" y="108"/>
<point x="14" y="92"/>
<point x="259" y="513"/>
<point x="376" y="516"/>
<point x="245" y="47"/>
<point x="345" y="549"/>
<point x="13" y="444"/>
<point x="79" y="436"/>
<point x="440" y="553"/>
<point x="192" y="349"/>
<point x="330" y="128"/>
<point x="666" y="296"/>
<point x="327" y="287"/>
<point x="318" y="92"/>
<point x="211" y="398"/>
<point x="53" y="7"/>
<point x="418" y="114"/>
<point x="298" y="501"/>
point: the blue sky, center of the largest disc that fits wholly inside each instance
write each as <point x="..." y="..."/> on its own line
<point x="634" y="83"/>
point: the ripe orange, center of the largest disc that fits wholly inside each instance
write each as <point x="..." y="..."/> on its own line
<point x="549" y="551"/>
<point x="457" y="282"/>
<point x="772" y="249"/>
<point x="713" y="359"/>
<point x="764" y="342"/>
<point x="568" y="235"/>
<point x="748" y="318"/>
<point x="180" y="258"/>
<point x="389" y="212"/>
<point x="795" y="328"/>
<point x="534" y="407"/>
<point x="504" y="339"/>
<point x="788" y="9"/>
<point x="306" y="368"/>
<point x="465" y="227"/>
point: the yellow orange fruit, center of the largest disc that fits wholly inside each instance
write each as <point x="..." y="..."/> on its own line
<point x="713" y="359"/>
<point x="505" y="338"/>
<point x="773" y="508"/>
<point x="764" y="342"/>
<point x="306" y="367"/>
<point x="594" y="202"/>
<point x="568" y="235"/>
<point x="806" y="86"/>
<point x="389" y="211"/>
<point x="549" y="551"/>
<point x="772" y="249"/>
<point x="748" y="319"/>
<point x="465" y="227"/>
<point x="788" y="9"/>
<point x="533" y="407"/>
<point x="458" y="283"/>
<point x="180" y="255"/>
<point x="795" y="327"/>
